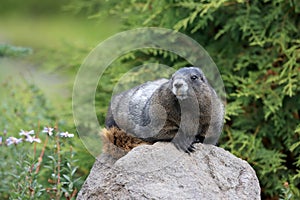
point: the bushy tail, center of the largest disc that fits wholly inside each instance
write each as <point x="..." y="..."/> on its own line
<point x="118" y="143"/>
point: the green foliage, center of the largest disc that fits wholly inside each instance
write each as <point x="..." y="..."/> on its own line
<point x="32" y="7"/>
<point x="38" y="171"/>
<point x="58" y="44"/>
<point x="256" y="46"/>
<point x="23" y="107"/>
<point x="12" y="51"/>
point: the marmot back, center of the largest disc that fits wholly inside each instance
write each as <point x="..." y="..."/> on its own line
<point x="183" y="110"/>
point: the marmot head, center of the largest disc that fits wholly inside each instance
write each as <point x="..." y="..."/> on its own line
<point x="187" y="81"/>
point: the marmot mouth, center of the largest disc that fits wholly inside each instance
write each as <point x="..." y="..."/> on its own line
<point x="181" y="96"/>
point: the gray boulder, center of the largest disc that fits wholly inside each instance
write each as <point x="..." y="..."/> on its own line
<point x="160" y="171"/>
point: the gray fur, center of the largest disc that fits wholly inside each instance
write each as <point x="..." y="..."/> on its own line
<point x="184" y="110"/>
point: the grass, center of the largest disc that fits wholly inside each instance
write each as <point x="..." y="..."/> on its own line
<point x="55" y="30"/>
<point x="59" y="42"/>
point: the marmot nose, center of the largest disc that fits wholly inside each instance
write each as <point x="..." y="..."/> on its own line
<point x="178" y="84"/>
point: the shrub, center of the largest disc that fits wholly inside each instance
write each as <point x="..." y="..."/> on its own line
<point x="34" y="165"/>
<point x="256" y="46"/>
<point x="13" y="51"/>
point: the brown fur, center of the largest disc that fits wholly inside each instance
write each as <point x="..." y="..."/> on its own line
<point x="117" y="143"/>
<point x="183" y="110"/>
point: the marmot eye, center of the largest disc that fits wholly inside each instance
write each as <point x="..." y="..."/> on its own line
<point x="194" y="77"/>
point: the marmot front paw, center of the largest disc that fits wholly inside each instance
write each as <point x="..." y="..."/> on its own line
<point x="184" y="143"/>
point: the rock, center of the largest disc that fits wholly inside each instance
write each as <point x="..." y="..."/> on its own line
<point x="160" y="171"/>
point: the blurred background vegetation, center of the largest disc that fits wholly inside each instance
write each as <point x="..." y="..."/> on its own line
<point x="255" y="44"/>
<point x="42" y="45"/>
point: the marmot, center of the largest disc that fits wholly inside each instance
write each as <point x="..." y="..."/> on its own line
<point x="183" y="110"/>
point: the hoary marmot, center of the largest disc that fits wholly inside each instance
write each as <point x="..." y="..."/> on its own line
<point x="183" y="110"/>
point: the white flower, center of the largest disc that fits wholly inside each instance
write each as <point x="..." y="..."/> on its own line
<point x="26" y="133"/>
<point x="13" y="140"/>
<point x="48" y="130"/>
<point x="66" y="134"/>
<point x="0" y="140"/>
<point x="32" y="139"/>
